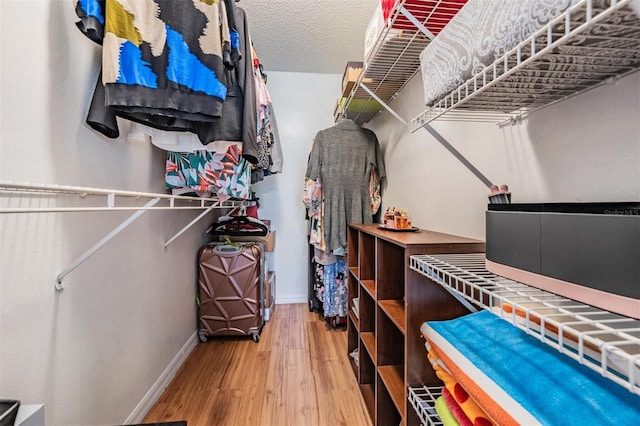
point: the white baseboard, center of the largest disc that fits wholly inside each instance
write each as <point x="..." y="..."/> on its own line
<point x="292" y="299"/>
<point x="152" y="396"/>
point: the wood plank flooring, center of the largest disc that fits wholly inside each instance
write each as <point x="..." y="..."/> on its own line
<point x="298" y="374"/>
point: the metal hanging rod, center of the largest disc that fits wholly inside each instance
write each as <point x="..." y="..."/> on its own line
<point x="153" y="200"/>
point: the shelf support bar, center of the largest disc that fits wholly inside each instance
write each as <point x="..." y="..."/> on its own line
<point x="101" y="243"/>
<point x="417" y="23"/>
<point x="381" y="102"/>
<point x="189" y="225"/>
<point x="457" y="154"/>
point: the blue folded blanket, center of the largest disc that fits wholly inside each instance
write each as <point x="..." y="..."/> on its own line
<point x="554" y="389"/>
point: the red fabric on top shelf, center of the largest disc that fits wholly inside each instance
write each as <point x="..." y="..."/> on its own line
<point x="423" y="10"/>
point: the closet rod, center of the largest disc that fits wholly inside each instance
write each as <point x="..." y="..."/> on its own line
<point x="40" y="188"/>
<point x="205" y="204"/>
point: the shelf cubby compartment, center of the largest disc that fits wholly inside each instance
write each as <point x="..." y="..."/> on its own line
<point x="367" y="313"/>
<point x="395" y="310"/>
<point x="366" y="257"/>
<point x="390" y="349"/>
<point x="390" y="360"/>
<point x="369" y="286"/>
<point x="352" y="251"/>
<point x="393" y="378"/>
<point x="390" y="269"/>
<point x="387" y="412"/>
<point x="366" y="381"/>
<point x="368" y="340"/>
<point x="352" y="341"/>
<point x="353" y="299"/>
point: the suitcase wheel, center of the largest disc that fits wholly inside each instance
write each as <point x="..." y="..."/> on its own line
<point x="203" y="336"/>
<point x="256" y="337"/>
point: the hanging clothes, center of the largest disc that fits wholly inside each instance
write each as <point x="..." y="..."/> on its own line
<point x="161" y="57"/>
<point x="173" y="65"/>
<point x="225" y="174"/>
<point x="335" y="291"/>
<point x="343" y="157"/>
<point x="239" y="118"/>
<point x="268" y="142"/>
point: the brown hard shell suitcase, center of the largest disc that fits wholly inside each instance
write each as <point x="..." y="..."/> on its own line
<point x="230" y="286"/>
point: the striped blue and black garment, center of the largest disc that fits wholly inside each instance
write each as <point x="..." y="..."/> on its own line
<point x="164" y="62"/>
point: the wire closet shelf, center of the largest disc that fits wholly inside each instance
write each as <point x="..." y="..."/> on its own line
<point x="395" y="57"/>
<point x="603" y="341"/>
<point x="423" y="401"/>
<point x="66" y="204"/>
<point x="48" y="198"/>
<point x="592" y="43"/>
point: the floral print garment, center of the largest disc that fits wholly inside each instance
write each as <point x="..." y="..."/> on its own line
<point x="220" y="174"/>
<point x="335" y="303"/>
<point x="312" y="199"/>
<point x="318" y="282"/>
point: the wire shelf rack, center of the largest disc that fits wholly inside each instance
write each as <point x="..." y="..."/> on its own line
<point x="423" y="400"/>
<point x="592" y="43"/>
<point x="395" y="56"/>
<point x="19" y="197"/>
<point x="603" y="341"/>
<point x="110" y="198"/>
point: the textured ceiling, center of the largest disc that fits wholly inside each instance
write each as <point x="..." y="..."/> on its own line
<point x="317" y="36"/>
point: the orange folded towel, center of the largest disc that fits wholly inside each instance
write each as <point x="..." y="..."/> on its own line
<point x="474" y="414"/>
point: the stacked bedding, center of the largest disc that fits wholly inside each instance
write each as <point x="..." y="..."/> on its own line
<point x="512" y="378"/>
<point x="481" y="32"/>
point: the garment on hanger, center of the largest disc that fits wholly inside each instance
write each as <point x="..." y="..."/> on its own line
<point x="238" y="121"/>
<point x="162" y="57"/>
<point x="334" y="294"/>
<point x="312" y="199"/>
<point x="146" y="44"/>
<point x="225" y="174"/>
<point x="343" y="157"/>
<point x="268" y="142"/>
<point x="173" y="141"/>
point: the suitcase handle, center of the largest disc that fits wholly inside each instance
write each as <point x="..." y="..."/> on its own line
<point x="227" y="249"/>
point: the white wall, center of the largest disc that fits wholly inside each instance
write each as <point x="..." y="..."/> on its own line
<point x="303" y="105"/>
<point x="585" y="149"/>
<point x="91" y="352"/>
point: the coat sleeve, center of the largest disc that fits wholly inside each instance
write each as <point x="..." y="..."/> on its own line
<point x="231" y="50"/>
<point x="91" y="14"/>
<point x="315" y="159"/>
<point x="379" y="159"/>
<point x="248" y="85"/>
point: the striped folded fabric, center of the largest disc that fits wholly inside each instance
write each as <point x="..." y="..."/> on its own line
<point x="516" y="379"/>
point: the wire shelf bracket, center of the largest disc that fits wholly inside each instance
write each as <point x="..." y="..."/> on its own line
<point x="170" y="202"/>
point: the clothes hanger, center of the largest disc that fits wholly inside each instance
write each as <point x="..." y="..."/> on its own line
<point x="238" y="225"/>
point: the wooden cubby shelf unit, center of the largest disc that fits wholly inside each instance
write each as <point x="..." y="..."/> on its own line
<point x="393" y="301"/>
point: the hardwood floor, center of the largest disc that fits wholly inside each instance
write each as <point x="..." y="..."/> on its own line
<point x="298" y="374"/>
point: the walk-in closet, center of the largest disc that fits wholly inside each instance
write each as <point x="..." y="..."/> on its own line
<point x="328" y="212"/>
